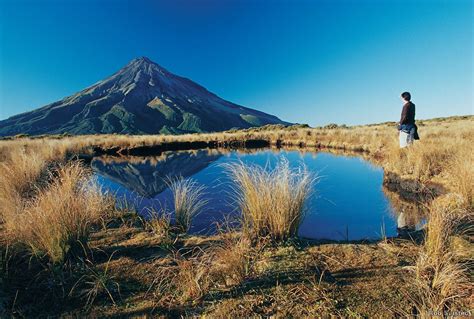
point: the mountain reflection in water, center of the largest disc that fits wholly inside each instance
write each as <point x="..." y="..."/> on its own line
<point x="147" y="175"/>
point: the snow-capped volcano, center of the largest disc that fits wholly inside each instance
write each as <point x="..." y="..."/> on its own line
<point x="141" y="98"/>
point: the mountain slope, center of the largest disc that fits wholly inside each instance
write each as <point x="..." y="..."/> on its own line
<point x="141" y="98"/>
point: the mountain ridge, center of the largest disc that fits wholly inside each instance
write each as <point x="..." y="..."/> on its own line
<point x="141" y="98"/>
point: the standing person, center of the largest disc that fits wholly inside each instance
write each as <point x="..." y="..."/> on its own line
<point x="407" y="128"/>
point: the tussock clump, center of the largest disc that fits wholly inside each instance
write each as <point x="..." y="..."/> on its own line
<point x="192" y="279"/>
<point x="439" y="280"/>
<point x="421" y="162"/>
<point x="17" y="182"/>
<point x="462" y="173"/>
<point x="438" y="285"/>
<point x="446" y="214"/>
<point x="158" y="223"/>
<point x="58" y="220"/>
<point x="193" y="273"/>
<point x="188" y="201"/>
<point x="272" y="202"/>
<point x="232" y="261"/>
<point x="21" y="171"/>
<point x="186" y="281"/>
<point x="95" y="284"/>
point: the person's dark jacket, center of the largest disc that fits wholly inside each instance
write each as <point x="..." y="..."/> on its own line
<point x="408" y="114"/>
<point x="407" y="120"/>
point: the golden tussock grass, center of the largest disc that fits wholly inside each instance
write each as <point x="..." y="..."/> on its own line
<point x="187" y="281"/>
<point x="188" y="201"/>
<point x="159" y="223"/>
<point x="197" y="271"/>
<point x="438" y="287"/>
<point x="272" y="201"/>
<point x="233" y="260"/>
<point x="439" y="278"/>
<point x="58" y="219"/>
<point x="461" y="172"/>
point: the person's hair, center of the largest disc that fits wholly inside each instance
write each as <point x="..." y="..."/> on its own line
<point x="406" y="96"/>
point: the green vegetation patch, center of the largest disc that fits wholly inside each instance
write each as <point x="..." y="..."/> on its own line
<point x="190" y="122"/>
<point x="167" y="111"/>
<point x="252" y="119"/>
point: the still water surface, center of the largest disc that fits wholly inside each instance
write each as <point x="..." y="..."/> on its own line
<point x="348" y="201"/>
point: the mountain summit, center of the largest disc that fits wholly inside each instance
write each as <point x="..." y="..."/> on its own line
<point x="141" y="98"/>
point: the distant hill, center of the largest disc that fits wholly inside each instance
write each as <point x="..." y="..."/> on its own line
<point x="141" y="98"/>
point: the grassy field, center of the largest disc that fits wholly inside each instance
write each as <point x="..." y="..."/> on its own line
<point x="67" y="250"/>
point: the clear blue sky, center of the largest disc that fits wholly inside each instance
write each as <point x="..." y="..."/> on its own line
<point x="311" y="62"/>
